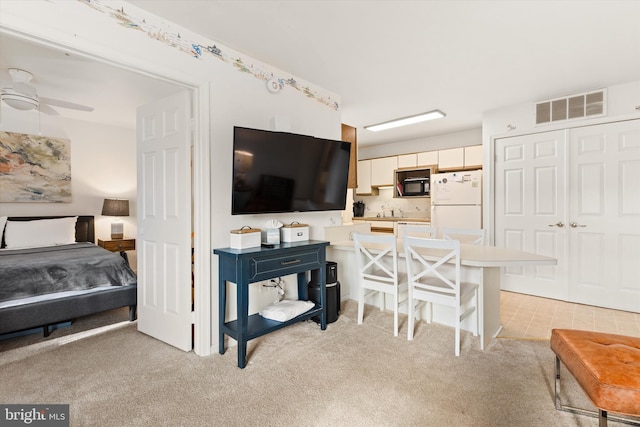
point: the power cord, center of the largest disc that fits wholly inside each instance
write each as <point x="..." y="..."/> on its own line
<point x="279" y="285"/>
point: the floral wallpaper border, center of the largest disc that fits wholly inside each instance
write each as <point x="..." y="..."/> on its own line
<point x="139" y="20"/>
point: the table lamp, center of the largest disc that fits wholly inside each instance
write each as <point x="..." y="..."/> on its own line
<point x="117" y="208"/>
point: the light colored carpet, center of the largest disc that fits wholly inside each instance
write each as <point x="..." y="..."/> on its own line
<point x="81" y="324"/>
<point x="350" y="374"/>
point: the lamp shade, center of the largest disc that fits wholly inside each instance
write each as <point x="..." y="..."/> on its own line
<point x="115" y="207"/>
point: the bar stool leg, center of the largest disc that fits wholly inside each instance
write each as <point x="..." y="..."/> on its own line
<point x="557" y="385"/>
<point x="602" y="418"/>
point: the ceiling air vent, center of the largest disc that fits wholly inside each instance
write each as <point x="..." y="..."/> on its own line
<point x="590" y="104"/>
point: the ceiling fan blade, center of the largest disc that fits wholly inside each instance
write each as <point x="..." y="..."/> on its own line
<point x="65" y="104"/>
<point x="44" y="108"/>
<point x="25" y="89"/>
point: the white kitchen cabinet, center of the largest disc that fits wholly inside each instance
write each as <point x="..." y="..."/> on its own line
<point x="382" y="171"/>
<point x="364" y="177"/>
<point x="382" y="226"/>
<point x="400" y="225"/>
<point x="408" y="160"/>
<point x="452" y="158"/>
<point x="473" y="156"/>
<point x="377" y="226"/>
<point x="428" y="158"/>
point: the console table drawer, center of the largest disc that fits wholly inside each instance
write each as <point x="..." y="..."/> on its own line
<point x="282" y="265"/>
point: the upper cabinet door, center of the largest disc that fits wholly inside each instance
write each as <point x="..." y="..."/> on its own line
<point x="364" y="177"/>
<point x="408" y="160"/>
<point x="451" y="159"/>
<point x="428" y="158"/>
<point x="382" y="171"/>
<point x="473" y="156"/>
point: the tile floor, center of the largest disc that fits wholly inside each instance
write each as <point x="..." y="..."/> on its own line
<point x="531" y="317"/>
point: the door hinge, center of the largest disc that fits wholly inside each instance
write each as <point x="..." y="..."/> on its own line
<point x="192" y="126"/>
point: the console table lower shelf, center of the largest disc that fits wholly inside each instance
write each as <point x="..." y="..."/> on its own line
<point x="258" y="326"/>
<point x="245" y="266"/>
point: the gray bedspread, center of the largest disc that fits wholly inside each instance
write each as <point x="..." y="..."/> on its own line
<point x="46" y="270"/>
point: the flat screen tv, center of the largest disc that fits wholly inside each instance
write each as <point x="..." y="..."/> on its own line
<point x="286" y="172"/>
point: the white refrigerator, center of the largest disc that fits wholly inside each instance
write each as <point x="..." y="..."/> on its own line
<point x="456" y="200"/>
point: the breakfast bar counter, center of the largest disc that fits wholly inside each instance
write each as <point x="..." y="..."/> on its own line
<point x="391" y="218"/>
<point x="479" y="264"/>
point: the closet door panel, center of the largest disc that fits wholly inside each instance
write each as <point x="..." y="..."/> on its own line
<point x="604" y="215"/>
<point x="530" y="202"/>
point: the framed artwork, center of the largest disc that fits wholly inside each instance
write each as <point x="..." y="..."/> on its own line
<point x="34" y="168"/>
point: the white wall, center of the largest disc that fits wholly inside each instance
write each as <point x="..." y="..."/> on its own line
<point x="440" y="142"/>
<point x="236" y="98"/>
<point x="240" y="100"/>
<point x="623" y="103"/>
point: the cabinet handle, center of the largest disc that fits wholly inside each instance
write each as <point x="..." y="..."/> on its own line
<point x="559" y="224"/>
<point x="295" y="261"/>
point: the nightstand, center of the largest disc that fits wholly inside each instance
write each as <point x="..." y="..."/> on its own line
<point x="119" y="245"/>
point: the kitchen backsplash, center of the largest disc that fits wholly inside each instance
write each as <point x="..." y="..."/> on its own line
<point x="385" y="202"/>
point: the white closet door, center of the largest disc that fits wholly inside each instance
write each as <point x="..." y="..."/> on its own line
<point x="530" y="209"/>
<point x="604" y="218"/>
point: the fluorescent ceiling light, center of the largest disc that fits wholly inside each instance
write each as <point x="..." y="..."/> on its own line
<point x="435" y="114"/>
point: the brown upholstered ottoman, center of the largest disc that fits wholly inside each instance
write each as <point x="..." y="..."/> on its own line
<point x="606" y="366"/>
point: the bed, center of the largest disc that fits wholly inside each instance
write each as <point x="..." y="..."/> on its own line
<point x="41" y="297"/>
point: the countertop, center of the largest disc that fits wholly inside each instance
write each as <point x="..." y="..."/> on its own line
<point x="390" y="218"/>
<point x="473" y="255"/>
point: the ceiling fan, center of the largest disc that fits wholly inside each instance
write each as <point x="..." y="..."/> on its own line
<point x="22" y="96"/>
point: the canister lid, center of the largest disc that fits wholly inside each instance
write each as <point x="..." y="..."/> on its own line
<point x="294" y="224"/>
<point x="245" y="229"/>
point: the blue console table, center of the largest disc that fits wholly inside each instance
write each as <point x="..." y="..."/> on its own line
<point x="245" y="266"/>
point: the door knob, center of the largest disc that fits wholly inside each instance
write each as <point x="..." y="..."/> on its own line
<point x="559" y="224"/>
<point x="575" y="224"/>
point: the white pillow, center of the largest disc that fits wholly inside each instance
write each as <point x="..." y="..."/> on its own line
<point x="286" y="309"/>
<point x="40" y="232"/>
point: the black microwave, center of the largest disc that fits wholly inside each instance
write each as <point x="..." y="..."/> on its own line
<point x="415" y="187"/>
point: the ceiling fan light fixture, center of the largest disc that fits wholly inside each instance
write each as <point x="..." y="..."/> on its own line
<point x="20" y="95"/>
<point x="404" y="121"/>
<point x="18" y="101"/>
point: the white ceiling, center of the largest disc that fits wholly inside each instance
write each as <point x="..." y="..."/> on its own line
<point x="113" y="92"/>
<point x="386" y="59"/>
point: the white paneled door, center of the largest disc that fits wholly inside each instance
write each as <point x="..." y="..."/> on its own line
<point x="164" y="220"/>
<point x="531" y="210"/>
<point x="604" y="217"/>
<point x="588" y="199"/>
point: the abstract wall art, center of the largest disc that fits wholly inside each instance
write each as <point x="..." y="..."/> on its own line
<point x="34" y="168"/>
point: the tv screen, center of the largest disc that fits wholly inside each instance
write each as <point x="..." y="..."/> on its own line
<point x="285" y="172"/>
